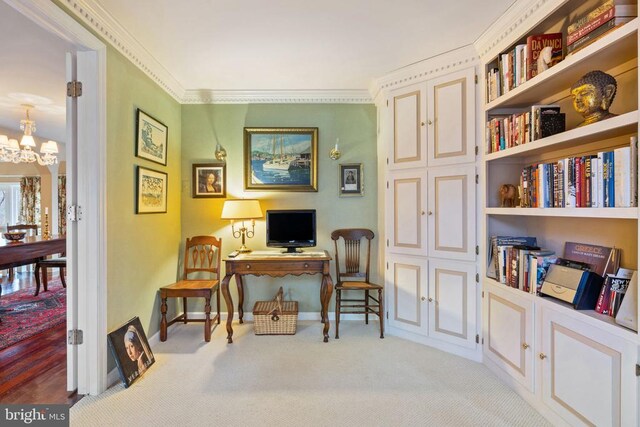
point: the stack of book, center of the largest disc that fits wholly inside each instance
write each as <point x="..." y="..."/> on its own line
<point x="598" y="22"/>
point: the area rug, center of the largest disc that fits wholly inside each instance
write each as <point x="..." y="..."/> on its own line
<point x="23" y="315"/>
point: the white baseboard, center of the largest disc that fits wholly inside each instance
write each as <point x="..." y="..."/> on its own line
<point x="468" y="353"/>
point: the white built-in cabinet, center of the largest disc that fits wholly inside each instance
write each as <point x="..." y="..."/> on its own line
<point x="430" y="210"/>
<point x="575" y="367"/>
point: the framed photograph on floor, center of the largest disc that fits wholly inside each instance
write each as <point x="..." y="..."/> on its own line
<point x="151" y="194"/>
<point x="351" y="179"/>
<point x="281" y="159"/>
<point x="209" y="180"/>
<point x="131" y="351"/>
<point x="151" y="138"/>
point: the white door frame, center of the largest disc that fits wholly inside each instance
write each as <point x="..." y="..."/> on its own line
<point x="87" y="257"/>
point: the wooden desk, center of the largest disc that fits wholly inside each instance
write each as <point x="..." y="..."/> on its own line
<point x="276" y="264"/>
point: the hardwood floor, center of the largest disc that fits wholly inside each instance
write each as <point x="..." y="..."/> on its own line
<point x="34" y="370"/>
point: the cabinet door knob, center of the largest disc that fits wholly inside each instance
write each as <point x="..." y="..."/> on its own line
<point x="421" y="212"/>
<point x="430" y="122"/>
<point x="421" y="123"/>
<point x="542" y="356"/>
<point x="423" y="298"/>
<point x="525" y="345"/>
<point x="430" y="299"/>
<point x="430" y="213"/>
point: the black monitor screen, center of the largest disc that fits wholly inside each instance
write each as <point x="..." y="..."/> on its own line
<point x="291" y="228"/>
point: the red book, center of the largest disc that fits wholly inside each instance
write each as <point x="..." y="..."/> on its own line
<point x="591" y="25"/>
<point x="602" y="306"/>
<point x="535" y="44"/>
<point x="578" y="171"/>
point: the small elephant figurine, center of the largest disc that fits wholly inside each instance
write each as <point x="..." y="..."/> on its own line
<point x="508" y="196"/>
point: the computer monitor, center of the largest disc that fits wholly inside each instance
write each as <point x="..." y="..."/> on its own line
<point x="291" y="229"/>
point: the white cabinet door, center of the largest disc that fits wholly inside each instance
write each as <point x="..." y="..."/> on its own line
<point x="588" y="374"/>
<point x="406" y="223"/>
<point x="508" y="333"/>
<point x="408" y="148"/>
<point x="406" y="290"/>
<point x="452" y="302"/>
<point x="451" y="118"/>
<point x="451" y="212"/>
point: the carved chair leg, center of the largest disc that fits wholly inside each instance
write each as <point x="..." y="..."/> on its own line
<point x="45" y="279"/>
<point x="338" y="297"/>
<point x="163" y="319"/>
<point x="207" y="318"/>
<point x="184" y="306"/>
<point x="218" y="302"/>
<point x="381" y="313"/>
<point x="62" y="272"/>
<point x="366" y="307"/>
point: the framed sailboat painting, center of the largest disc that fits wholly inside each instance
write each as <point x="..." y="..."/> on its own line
<point x="281" y="159"/>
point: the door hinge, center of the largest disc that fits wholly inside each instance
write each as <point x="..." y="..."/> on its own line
<point x="477" y="278"/>
<point x="477" y="179"/>
<point x="387" y="315"/>
<point x="482" y="294"/>
<point x="477" y="250"/>
<point x="74" y="89"/>
<point x="387" y="242"/>
<point x="387" y="102"/>
<point x="637" y="370"/>
<point x="387" y="185"/>
<point x="74" y="337"/>
<point x="477" y="150"/>
<point x="74" y="213"/>
<point x="387" y="160"/>
<point x="387" y="265"/>
<point x="477" y="339"/>
<point x="476" y="78"/>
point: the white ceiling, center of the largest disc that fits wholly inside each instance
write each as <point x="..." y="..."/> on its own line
<point x="243" y="45"/>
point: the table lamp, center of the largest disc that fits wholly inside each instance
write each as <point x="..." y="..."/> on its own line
<point x="241" y="210"/>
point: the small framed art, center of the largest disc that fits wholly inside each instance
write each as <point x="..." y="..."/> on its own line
<point x="351" y="179"/>
<point x="281" y="159"/>
<point x="131" y="351"/>
<point x="209" y="180"/>
<point x="151" y="194"/>
<point x="151" y="138"/>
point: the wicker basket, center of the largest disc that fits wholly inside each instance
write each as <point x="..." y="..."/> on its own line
<point x="275" y="317"/>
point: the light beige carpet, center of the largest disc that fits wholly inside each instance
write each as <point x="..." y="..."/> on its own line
<point x="298" y="380"/>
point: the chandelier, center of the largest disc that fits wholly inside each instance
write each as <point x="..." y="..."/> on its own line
<point x="11" y="151"/>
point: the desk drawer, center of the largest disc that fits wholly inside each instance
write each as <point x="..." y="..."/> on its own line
<point x="280" y="267"/>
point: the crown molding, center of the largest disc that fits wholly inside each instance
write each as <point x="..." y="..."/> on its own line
<point x="517" y="21"/>
<point x="447" y="62"/>
<point x="277" y="97"/>
<point x="97" y="19"/>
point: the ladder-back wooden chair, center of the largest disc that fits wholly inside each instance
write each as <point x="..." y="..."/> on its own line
<point x="352" y="278"/>
<point x="30" y="229"/>
<point x="202" y="254"/>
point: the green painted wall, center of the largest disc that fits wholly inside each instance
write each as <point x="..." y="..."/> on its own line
<point x="354" y="124"/>
<point x="142" y="250"/>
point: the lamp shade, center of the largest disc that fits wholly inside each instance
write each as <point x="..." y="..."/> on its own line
<point x="241" y="209"/>
<point x="4" y="141"/>
<point x="49" y="147"/>
<point x="27" y="141"/>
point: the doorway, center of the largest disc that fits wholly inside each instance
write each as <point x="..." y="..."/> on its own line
<point x="86" y="194"/>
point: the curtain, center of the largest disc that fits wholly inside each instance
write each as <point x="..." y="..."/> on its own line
<point x="62" y="205"/>
<point x="30" y="194"/>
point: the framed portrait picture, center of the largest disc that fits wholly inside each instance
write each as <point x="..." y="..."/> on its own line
<point x="131" y="351"/>
<point x="151" y="138"/>
<point x="151" y="194"/>
<point x="282" y="159"/>
<point x="351" y="179"/>
<point x="209" y="180"/>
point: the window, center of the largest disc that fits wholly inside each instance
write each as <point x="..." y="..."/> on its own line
<point x="9" y="202"/>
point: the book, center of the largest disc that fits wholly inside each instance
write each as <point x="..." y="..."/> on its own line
<point x="622" y="178"/>
<point x="628" y="312"/>
<point x="595" y="35"/>
<point x="539" y="266"/>
<point x="535" y="44"/>
<point x="617" y="290"/>
<point x="634" y="171"/>
<point x="598" y="20"/>
<point x="602" y="305"/>
<point x="496" y="267"/>
<point x="551" y="123"/>
<point x="622" y="8"/>
<point x="602" y="259"/>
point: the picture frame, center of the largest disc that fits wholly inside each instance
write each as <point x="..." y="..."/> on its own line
<point x="209" y="180"/>
<point x="151" y="138"/>
<point x="131" y="351"/>
<point x="351" y="179"/>
<point x="151" y="191"/>
<point x="281" y="159"/>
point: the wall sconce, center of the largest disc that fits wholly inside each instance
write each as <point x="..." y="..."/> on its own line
<point x="242" y="209"/>
<point x="335" y="153"/>
<point x="220" y="153"/>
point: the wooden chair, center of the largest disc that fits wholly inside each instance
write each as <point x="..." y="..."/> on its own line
<point x="353" y="279"/>
<point x="30" y="229"/>
<point x="46" y="263"/>
<point x="202" y="254"/>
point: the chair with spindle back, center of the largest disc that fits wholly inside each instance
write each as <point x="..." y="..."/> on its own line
<point x="30" y="229"/>
<point x="202" y="254"/>
<point x="353" y="278"/>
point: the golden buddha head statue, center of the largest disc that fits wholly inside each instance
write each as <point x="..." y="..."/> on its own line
<point x="593" y="95"/>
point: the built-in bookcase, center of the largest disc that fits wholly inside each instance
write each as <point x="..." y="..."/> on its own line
<point x="529" y="338"/>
